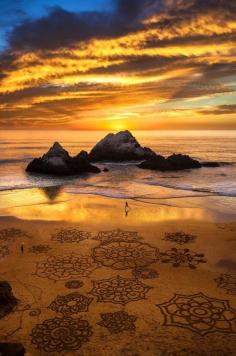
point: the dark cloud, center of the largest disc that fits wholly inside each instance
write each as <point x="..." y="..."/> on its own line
<point x="133" y="9"/>
<point x="61" y="28"/>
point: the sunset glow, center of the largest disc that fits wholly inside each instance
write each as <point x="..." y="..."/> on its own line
<point x="171" y="65"/>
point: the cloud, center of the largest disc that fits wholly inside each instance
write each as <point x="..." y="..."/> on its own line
<point x="219" y="110"/>
<point x="99" y="64"/>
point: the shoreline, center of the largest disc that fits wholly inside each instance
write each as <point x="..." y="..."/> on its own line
<point x="33" y="202"/>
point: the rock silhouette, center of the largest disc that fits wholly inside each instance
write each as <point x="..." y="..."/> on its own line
<point x="118" y="147"/>
<point x="57" y="161"/>
<point x="7" y="299"/>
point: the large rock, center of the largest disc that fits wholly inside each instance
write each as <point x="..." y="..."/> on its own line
<point x="172" y="163"/>
<point x="122" y="146"/>
<point x="57" y="161"/>
<point x="7" y="299"/>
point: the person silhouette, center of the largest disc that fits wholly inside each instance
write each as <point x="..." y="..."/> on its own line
<point x="126" y="208"/>
<point x="22" y="247"/>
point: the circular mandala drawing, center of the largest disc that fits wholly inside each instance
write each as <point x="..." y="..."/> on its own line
<point x="179" y="237"/>
<point x="227" y="282"/>
<point x="199" y="313"/>
<point x="119" y="290"/>
<point x="59" y="268"/>
<point x="37" y="249"/>
<point x="184" y="258"/>
<point x="61" y="334"/>
<point x="118" y="322"/>
<point x="117" y="235"/>
<point x="125" y="255"/>
<point x="70" y="304"/>
<point x="74" y="284"/>
<point x="4" y="251"/>
<point x="145" y="273"/>
<point x="71" y="235"/>
<point x="11" y="234"/>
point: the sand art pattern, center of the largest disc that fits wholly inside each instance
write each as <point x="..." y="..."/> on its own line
<point x="179" y="237"/>
<point x="144" y="273"/>
<point x="118" y="322"/>
<point x="74" y="284"/>
<point x="227" y="282"/>
<point x="125" y="255"/>
<point x="182" y="258"/>
<point x="117" y="235"/>
<point x="70" y="304"/>
<point x="4" y="251"/>
<point x="37" y="249"/>
<point x="11" y="234"/>
<point x="61" y="334"/>
<point x="120" y="307"/>
<point x="65" y="267"/>
<point x="119" y="290"/>
<point x="70" y="236"/>
<point x="199" y="313"/>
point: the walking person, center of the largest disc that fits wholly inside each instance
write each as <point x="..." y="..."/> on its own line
<point x="22" y="247"/>
<point x="126" y="208"/>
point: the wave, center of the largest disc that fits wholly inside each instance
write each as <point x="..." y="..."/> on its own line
<point x="15" y="160"/>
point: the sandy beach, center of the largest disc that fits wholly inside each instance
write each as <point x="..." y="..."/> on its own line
<point x="95" y="280"/>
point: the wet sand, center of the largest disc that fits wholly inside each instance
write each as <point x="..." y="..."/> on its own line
<point x="159" y="280"/>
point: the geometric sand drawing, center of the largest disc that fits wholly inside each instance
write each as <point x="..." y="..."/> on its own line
<point x="4" y="251"/>
<point x="37" y="249"/>
<point x="117" y="235"/>
<point x="119" y="290"/>
<point x="182" y="258"/>
<point x="74" y="284"/>
<point x="227" y="282"/>
<point x="145" y="273"/>
<point x="118" y="322"/>
<point x="199" y="313"/>
<point x="70" y="304"/>
<point x="125" y="255"/>
<point x="11" y="234"/>
<point x="59" y="268"/>
<point x="179" y="237"/>
<point x="61" y="334"/>
<point x="70" y="236"/>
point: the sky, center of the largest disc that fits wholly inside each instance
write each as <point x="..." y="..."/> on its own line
<point x="118" y="64"/>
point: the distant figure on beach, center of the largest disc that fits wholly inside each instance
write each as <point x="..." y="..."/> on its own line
<point x="126" y="208"/>
<point x="22" y="247"/>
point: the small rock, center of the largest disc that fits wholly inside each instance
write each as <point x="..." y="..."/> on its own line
<point x="172" y="163"/>
<point x="7" y="299"/>
<point x="12" y="349"/>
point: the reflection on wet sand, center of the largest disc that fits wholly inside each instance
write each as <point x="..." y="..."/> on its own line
<point x="52" y="204"/>
<point x="53" y="192"/>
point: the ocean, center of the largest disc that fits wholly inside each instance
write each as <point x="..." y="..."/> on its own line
<point x="123" y="180"/>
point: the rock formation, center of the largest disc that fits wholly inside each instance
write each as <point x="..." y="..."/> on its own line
<point x="118" y="147"/>
<point x="172" y="163"/>
<point x="57" y="161"/>
<point x="7" y="299"/>
<point x="12" y="349"/>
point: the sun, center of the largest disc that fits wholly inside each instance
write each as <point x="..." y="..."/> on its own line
<point x="118" y="125"/>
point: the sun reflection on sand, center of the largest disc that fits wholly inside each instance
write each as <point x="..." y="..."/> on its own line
<point x="41" y="204"/>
